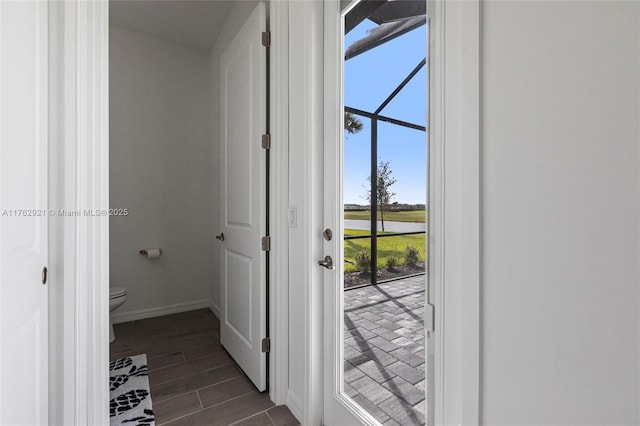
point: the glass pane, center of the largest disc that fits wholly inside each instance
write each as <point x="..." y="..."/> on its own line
<point x="406" y="105"/>
<point x="357" y="214"/>
<point x="405" y="151"/>
<point x="371" y="76"/>
<point x="384" y="267"/>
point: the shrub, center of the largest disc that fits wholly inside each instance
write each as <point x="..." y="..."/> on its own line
<point x="363" y="261"/>
<point x="392" y="262"/>
<point x="411" y="256"/>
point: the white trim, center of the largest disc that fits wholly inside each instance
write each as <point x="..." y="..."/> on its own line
<point x="454" y="222"/>
<point x="295" y="406"/>
<point x="162" y="310"/>
<point x="90" y="188"/>
<point x="214" y="308"/>
<point x="279" y="202"/>
<point x="61" y="232"/>
<point x="305" y="190"/>
<point x="470" y="218"/>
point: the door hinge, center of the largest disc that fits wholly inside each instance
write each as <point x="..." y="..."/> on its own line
<point x="266" y="38"/>
<point x="266" y="141"/>
<point x="266" y="243"/>
<point x="430" y="317"/>
<point x="266" y="344"/>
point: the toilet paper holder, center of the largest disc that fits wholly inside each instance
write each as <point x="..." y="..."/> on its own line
<point x="144" y="252"/>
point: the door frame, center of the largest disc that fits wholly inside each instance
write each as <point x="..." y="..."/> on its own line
<point x="79" y="180"/>
<point x="277" y="24"/>
<point x="79" y="31"/>
<point x="454" y="199"/>
<point x="455" y="191"/>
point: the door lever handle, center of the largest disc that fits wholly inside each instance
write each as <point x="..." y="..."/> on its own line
<point x="327" y="262"/>
<point x="220" y="237"/>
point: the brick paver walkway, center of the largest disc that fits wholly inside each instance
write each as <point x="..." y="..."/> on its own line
<point x="384" y="350"/>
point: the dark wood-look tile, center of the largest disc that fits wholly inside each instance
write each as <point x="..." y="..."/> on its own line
<point x="124" y="329"/>
<point x="188" y="368"/>
<point x="282" y="416"/>
<point x="202" y="351"/>
<point x="161" y="361"/>
<point x="229" y="412"/>
<point x="172" y="388"/>
<point x="122" y="344"/>
<point x="118" y="355"/>
<point x="171" y="336"/>
<point x="198" y="323"/>
<point x="194" y="381"/>
<point x="225" y="391"/>
<point x="175" y="408"/>
<point x="258" y="420"/>
<point x="173" y="345"/>
<point x="151" y="325"/>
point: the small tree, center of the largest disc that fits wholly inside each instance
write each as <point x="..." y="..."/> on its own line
<point x="384" y="194"/>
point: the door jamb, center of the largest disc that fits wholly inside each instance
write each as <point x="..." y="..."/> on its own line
<point x="278" y="16"/>
<point x="454" y="217"/>
<point x="82" y="29"/>
<point x="91" y="188"/>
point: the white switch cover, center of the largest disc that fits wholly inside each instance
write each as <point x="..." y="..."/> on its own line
<point x="293" y="217"/>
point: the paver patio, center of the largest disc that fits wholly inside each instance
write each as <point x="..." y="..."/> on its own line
<point x="384" y="350"/>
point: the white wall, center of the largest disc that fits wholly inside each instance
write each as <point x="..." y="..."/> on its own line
<point x="161" y="171"/>
<point x="238" y="15"/>
<point x="560" y="213"/>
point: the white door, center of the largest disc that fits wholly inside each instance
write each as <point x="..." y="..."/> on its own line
<point x="340" y="409"/>
<point x="23" y="212"/>
<point x="243" y="213"/>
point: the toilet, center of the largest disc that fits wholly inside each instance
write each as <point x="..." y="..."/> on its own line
<point x="117" y="296"/>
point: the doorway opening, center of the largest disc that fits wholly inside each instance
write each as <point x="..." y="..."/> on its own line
<point x="385" y="208"/>
<point x="189" y="97"/>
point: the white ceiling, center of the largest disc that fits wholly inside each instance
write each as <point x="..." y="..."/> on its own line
<point x="194" y="24"/>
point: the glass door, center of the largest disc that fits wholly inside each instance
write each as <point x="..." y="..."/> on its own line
<point x="375" y="205"/>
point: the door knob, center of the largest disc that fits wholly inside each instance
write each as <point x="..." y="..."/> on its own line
<point x="327" y="262"/>
<point x="220" y="237"/>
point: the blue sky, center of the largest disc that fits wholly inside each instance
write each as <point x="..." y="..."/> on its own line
<point x="369" y="79"/>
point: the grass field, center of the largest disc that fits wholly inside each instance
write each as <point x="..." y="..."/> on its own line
<point x="386" y="247"/>
<point x="403" y="216"/>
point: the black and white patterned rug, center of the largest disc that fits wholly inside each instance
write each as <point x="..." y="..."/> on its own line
<point x="130" y="403"/>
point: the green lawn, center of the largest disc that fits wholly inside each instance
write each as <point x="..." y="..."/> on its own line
<point x="403" y="216"/>
<point x="386" y="247"/>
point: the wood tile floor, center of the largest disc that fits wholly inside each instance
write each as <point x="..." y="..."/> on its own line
<point x="193" y="379"/>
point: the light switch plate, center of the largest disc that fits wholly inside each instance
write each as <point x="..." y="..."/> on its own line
<point x="293" y="217"/>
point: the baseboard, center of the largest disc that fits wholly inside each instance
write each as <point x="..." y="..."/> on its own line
<point x="214" y="308"/>
<point x="295" y="406"/>
<point x="160" y="311"/>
